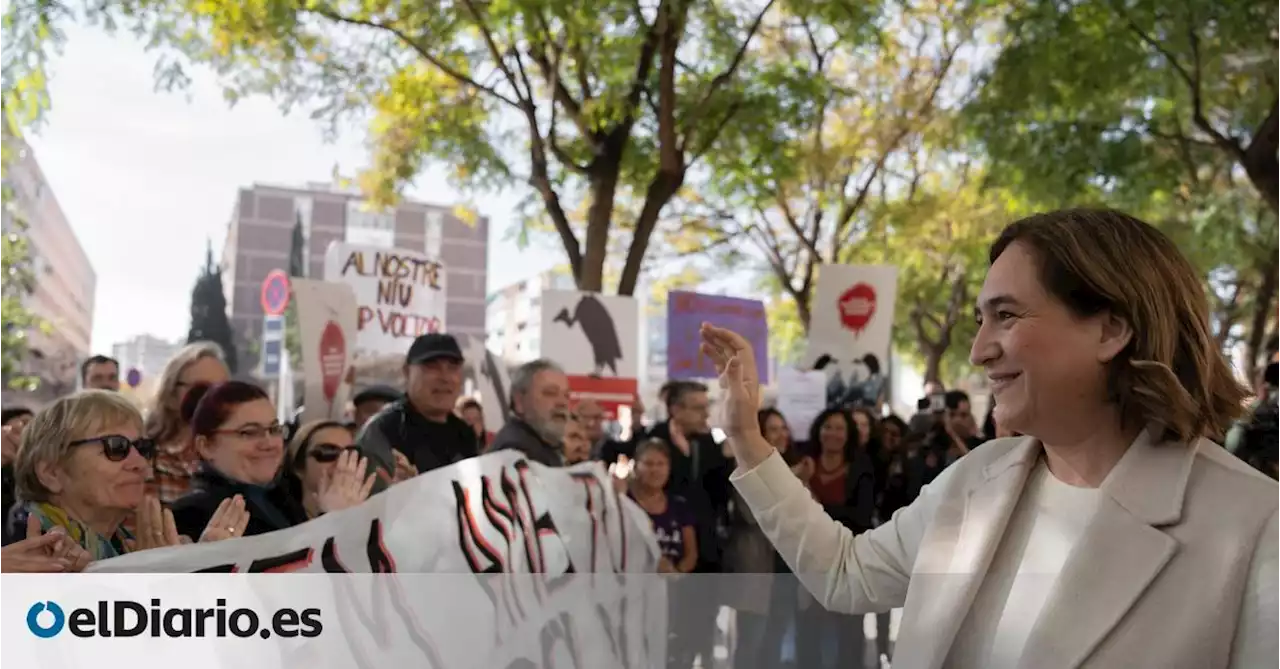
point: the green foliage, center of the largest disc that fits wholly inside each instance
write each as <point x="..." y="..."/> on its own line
<point x="1127" y="99"/>
<point x="569" y="100"/>
<point x="297" y="269"/>
<point x="209" y="320"/>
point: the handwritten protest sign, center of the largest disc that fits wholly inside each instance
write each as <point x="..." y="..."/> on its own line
<point x="524" y="562"/>
<point x="685" y="314"/>
<point x="400" y="294"/>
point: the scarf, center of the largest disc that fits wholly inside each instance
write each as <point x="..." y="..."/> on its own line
<point x="98" y="546"/>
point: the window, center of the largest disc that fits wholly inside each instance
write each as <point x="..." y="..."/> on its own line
<point x="370" y="227"/>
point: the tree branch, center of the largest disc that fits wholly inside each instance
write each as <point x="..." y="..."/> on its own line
<point x="1229" y="145"/>
<point x="720" y="80"/>
<point x="417" y="48"/>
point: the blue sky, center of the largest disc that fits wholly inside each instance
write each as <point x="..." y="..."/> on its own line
<point x="145" y="177"/>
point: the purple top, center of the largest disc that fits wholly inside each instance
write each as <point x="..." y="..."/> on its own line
<point x="669" y="525"/>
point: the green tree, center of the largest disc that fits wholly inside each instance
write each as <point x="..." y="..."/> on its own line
<point x="209" y="320"/>
<point x="297" y="269"/>
<point x="596" y="96"/>
<point x="1167" y="111"/>
<point x="30" y="38"/>
<point x="861" y="123"/>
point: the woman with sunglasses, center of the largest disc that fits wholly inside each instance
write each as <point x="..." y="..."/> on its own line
<point x="83" y="466"/>
<point x="240" y="444"/>
<point x="326" y="466"/>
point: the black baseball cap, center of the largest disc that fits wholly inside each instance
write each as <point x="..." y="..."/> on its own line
<point x="433" y="346"/>
<point x="383" y="393"/>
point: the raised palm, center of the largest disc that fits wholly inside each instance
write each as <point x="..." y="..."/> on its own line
<point x="735" y="363"/>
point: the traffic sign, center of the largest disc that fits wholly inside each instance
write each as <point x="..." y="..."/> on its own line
<point x="133" y="378"/>
<point x="275" y="292"/>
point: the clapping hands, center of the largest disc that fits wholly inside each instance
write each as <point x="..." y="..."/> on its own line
<point x="228" y="521"/>
<point x="348" y="485"/>
<point x="43" y="552"/>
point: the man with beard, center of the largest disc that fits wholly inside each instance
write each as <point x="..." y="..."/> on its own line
<point x="540" y="410"/>
<point x="421" y="424"/>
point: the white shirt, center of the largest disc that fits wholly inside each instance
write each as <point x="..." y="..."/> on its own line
<point x="1046" y="524"/>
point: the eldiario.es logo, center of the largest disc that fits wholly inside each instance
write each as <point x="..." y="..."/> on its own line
<point x="125" y="618"/>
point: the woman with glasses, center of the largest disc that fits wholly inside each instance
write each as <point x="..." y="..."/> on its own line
<point x="325" y="464"/>
<point x="82" y="469"/>
<point x="240" y="444"/>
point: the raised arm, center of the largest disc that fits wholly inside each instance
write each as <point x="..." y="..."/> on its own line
<point x="848" y="574"/>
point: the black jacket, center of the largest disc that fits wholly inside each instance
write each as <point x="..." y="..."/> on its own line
<point x="269" y="510"/>
<point x="517" y="435"/>
<point x="10" y="498"/>
<point x="427" y="444"/>
<point x="702" y="478"/>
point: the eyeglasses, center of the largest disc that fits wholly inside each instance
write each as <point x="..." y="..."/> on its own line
<point x="330" y="452"/>
<point x="116" y="447"/>
<point x="255" y="432"/>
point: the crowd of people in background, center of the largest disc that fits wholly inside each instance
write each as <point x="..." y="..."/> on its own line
<point x="91" y="476"/>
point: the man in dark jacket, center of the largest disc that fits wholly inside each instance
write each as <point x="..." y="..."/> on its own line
<point x="422" y="425"/>
<point x="539" y="413"/>
<point x="699" y="473"/>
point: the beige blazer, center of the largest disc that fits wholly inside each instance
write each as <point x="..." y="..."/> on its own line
<point x="1177" y="569"/>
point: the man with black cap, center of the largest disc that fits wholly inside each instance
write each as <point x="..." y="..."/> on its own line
<point x="421" y="424"/>
<point x="368" y="402"/>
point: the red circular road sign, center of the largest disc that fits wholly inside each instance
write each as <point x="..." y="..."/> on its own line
<point x="275" y="292"/>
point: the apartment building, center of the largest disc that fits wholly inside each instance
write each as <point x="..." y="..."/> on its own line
<point x="259" y="239"/>
<point x="65" y="282"/>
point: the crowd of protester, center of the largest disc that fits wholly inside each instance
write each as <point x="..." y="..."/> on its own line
<point x="91" y="476"/>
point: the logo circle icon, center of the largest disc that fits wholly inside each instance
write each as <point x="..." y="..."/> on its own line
<point x="33" y="619"/>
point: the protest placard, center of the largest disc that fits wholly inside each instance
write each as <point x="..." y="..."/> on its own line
<point x="687" y="311"/>
<point x="400" y="294"/>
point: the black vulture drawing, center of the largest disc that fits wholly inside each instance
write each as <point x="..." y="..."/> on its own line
<point x="489" y="370"/>
<point x="596" y="322"/>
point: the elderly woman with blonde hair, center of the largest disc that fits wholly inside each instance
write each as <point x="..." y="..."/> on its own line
<point x="82" y="470"/>
<point x="176" y="461"/>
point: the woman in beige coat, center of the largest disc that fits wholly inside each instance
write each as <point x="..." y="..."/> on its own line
<point x="1115" y="535"/>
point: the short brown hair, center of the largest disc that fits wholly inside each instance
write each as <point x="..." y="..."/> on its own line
<point x="48" y="436"/>
<point x="654" y="444"/>
<point x="1172" y="372"/>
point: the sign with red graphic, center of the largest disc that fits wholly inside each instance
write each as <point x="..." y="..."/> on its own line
<point x="333" y="358"/>
<point x="857" y="307"/>
<point x="609" y="393"/>
<point x="852" y="318"/>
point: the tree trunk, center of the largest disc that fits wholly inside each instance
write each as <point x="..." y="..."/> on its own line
<point x="604" y="187"/>
<point x="933" y="363"/>
<point x="1262" y="312"/>
<point x="1260" y="161"/>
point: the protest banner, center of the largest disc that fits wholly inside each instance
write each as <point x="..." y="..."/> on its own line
<point x="491" y="562"/>
<point x="687" y="311"/>
<point x="327" y="329"/>
<point x="802" y="395"/>
<point x="400" y="294"/>
<point x="596" y="339"/>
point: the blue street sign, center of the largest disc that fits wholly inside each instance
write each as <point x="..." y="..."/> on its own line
<point x="271" y="352"/>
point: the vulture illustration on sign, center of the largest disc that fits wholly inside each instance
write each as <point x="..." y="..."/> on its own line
<point x="596" y="322"/>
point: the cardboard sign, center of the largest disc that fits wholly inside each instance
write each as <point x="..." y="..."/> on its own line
<point x="400" y="294"/>
<point x="596" y="339"/>
<point x="327" y="328"/>
<point x="686" y="312"/>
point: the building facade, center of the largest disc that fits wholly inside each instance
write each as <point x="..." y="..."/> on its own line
<point x="64" y="281"/>
<point x="260" y="234"/>
<point x="145" y="353"/>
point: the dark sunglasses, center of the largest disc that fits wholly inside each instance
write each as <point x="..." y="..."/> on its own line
<point x="116" y="447"/>
<point x="330" y="452"/>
